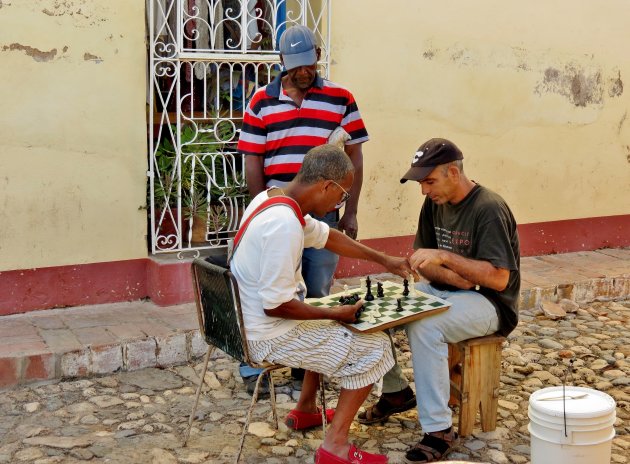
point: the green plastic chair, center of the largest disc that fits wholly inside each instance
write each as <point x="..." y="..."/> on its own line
<point x="221" y="324"/>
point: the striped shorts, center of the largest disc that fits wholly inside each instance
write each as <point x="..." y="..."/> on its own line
<point x="323" y="346"/>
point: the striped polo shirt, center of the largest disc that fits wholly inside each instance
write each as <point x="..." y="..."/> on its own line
<point x="276" y="128"/>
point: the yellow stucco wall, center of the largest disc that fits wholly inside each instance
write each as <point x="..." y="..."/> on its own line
<point x="535" y="96"/>
<point x="72" y="132"/>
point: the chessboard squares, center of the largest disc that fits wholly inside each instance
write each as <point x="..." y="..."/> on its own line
<point x="391" y="315"/>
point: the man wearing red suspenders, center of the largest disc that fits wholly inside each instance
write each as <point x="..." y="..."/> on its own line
<point x="281" y="327"/>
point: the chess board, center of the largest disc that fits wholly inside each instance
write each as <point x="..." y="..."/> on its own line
<point x="380" y="313"/>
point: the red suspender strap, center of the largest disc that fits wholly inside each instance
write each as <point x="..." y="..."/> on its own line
<point x="281" y="200"/>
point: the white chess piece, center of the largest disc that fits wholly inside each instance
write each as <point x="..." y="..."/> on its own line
<point x="412" y="284"/>
<point x="345" y="289"/>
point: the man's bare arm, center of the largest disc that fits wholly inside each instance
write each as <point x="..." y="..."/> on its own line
<point x="254" y="174"/>
<point x="443" y="275"/>
<point x="298" y="310"/>
<point x="475" y="271"/>
<point x="348" y="222"/>
<point x="345" y="246"/>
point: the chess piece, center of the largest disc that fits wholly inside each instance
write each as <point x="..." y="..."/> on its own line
<point x="368" y="295"/>
<point x="399" y="307"/>
<point x="349" y="299"/>
<point x="406" y="289"/>
<point x="379" y="290"/>
<point x="413" y="285"/>
<point x="357" y="315"/>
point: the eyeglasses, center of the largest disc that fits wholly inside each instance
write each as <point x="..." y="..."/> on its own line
<point x="344" y="197"/>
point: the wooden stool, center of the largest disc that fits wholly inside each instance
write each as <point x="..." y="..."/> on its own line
<point x="475" y="367"/>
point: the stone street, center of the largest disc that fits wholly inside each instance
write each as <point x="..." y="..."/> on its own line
<point x="140" y="416"/>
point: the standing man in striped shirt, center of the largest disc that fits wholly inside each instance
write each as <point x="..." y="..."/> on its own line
<point x="297" y="111"/>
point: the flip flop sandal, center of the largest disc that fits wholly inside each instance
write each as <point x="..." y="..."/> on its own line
<point x="298" y="420"/>
<point x="381" y="411"/>
<point x="431" y="448"/>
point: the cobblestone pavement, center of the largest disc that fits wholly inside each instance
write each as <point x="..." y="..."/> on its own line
<point x="140" y="416"/>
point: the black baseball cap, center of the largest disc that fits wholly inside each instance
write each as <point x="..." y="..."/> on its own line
<point x="430" y="154"/>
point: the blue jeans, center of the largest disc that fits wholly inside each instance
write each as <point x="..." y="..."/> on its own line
<point x="318" y="265"/>
<point x="471" y="315"/>
<point x="318" y="268"/>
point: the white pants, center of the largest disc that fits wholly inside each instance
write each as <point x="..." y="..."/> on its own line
<point x="471" y="315"/>
<point x="327" y="347"/>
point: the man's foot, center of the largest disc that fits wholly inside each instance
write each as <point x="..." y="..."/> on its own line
<point x="250" y="385"/>
<point x="433" y="447"/>
<point x="355" y="456"/>
<point x="388" y="404"/>
<point x="298" y="420"/>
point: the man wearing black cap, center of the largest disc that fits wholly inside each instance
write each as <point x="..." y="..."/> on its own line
<point x="467" y="248"/>
<point x="297" y="111"/>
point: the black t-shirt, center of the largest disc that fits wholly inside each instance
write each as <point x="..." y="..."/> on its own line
<point x="480" y="227"/>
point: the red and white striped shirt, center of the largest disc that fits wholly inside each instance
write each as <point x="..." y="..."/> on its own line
<point x="276" y="128"/>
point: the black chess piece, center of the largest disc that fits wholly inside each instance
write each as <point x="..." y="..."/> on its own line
<point x="357" y="315"/>
<point x="406" y="289"/>
<point x="349" y="299"/>
<point x="379" y="290"/>
<point x="399" y="307"/>
<point x="368" y="295"/>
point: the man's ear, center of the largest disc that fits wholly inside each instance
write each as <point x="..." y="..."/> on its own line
<point x="453" y="172"/>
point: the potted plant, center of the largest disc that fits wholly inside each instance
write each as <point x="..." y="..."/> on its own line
<point x="207" y="179"/>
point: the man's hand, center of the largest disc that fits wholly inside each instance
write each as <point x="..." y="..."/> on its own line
<point x="349" y="225"/>
<point x="348" y="313"/>
<point x="399" y="266"/>
<point x="425" y="256"/>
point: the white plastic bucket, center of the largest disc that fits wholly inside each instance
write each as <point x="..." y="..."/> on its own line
<point x="587" y="436"/>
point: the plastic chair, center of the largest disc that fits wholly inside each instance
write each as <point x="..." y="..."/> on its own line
<point x="221" y="325"/>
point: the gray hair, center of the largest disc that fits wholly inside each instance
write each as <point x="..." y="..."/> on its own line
<point x="326" y="162"/>
<point x="459" y="164"/>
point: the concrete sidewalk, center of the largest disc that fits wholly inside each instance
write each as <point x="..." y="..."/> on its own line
<point x="92" y="340"/>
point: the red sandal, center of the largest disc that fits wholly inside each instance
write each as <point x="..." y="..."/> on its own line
<point x="298" y="420"/>
<point x="355" y="456"/>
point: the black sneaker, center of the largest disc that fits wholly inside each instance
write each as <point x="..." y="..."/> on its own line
<point x="263" y="389"/>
